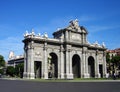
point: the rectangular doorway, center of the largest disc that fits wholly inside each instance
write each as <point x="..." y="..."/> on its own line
<point x="38" y="69"/>
<point x="101" y="70"/>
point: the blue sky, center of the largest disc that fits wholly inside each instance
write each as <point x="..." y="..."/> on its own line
<point x="100" y="17"/>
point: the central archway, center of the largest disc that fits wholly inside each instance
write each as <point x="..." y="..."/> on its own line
<point x="91" y="66"/>
<point x="76" y="66"/>
<point x="54" y="65"/>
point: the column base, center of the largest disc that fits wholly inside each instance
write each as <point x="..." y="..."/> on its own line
<point x="45" y="75"/>
<point x="104" y="75"/>
<point x="62" y="76"/>
<point x="86" y="75"/>
<point x="32" y="75"/>
<point x="27" y="75"/>
<point x="69" y="76"/>
<point x="98" y="75"/>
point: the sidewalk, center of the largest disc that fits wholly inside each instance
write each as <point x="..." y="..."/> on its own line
<point x="58" y="80"/>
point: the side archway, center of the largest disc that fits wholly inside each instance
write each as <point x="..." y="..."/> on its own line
<point x="91" y="66"/>
<point x="54" y="66"/>
<point x="76" y="66"/>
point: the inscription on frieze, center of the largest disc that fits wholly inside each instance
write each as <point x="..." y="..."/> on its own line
<point x="76" y="37"/>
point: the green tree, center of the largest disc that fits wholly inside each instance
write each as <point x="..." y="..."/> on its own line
<point x="1" y="71"/>
<point x="113" y="63"/>
<point x="10" y="71"/>
<point x="108" y="57"/>
<point x="2" y="64"/>
<point x="2" y="61"/>
<point x="116" y="60"/>
<point x="108" y="60"/>
<point x="19" y="70"/>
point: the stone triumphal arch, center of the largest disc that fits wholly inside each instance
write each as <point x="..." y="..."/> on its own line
<point x="66" y="56"/>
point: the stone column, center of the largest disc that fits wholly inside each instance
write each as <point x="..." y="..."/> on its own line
<point x="67" y="64"/>
<point x="85" y="63"/>
<point x="29" y="62"/>
<point x="25" y="63"/>
<point x="104" y="64"/>
<point x="97" y="74"/>
<point x="32" y="74"/>
<point x="45" y="62"/>
<point x="69" y="74"/>
<point x="58" y="53"/>
<point x="70" y="66"/>
<point x="62" y="75"/>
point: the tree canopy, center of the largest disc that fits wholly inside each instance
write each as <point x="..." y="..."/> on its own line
<point x="10" y="71"/>
<point x="2" y="61"/>
<point x="19" y="69"/>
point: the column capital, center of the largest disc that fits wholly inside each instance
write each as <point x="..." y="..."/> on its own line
<point x="84" y="50"/>
<point x="45" y="48"/>
<point x="69" y="50"/>
<point x="97" y="52"/>
<point x="61" y="49"/>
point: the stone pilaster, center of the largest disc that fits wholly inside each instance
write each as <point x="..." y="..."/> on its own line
<point x="67" y="63"/>
<point x="62" y="75"/>
<point x="45" y="62"/>
<point x="97" y="74"/>
<point x="68" y="60"/>
<point x="29" y="62"/>
<point x="70" y="66"/>
<point x="85" y="63"/>
<point x="32" y="74"/>
<point x="25" y="63"/>
<point x="104" y="64"/>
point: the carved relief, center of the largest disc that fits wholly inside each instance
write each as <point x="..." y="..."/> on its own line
<point x="37" y="53"/>
<point x="100" y="57"/>
<point x="74" y="25"/>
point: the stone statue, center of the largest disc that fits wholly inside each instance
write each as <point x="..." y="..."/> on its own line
<point x="33" y="33"/>
<point x="11" y="55"/>
<point x="45" y="35"/>
<point x="103" y="44"/>
<point x="74" y="25"/>
<point x="26" y="33"/>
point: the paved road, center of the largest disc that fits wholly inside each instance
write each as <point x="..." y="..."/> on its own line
<point x="29" y="86"/>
